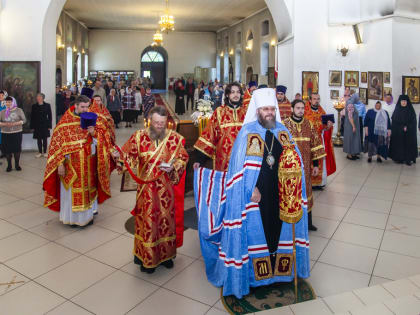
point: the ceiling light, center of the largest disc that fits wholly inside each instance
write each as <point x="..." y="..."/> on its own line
<point x="167" y="21"/>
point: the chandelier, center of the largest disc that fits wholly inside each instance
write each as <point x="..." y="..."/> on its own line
<point x="167" y="21"/>
<point x="157" y="38"/>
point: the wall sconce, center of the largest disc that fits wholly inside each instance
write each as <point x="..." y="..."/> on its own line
<point x="221" y="54"/>
<point x="273" y="43"/>
<point x="74" y="49"/>
<point x="343" y="50"/>
<point x="248" y="48"/>
<point x="83" y="51"/>
<point x="231" y="52"/>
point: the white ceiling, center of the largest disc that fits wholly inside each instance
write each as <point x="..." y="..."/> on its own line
<point x="190" y="15"/>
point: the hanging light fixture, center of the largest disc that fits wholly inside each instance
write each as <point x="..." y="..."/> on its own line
<point x="167" y="21"/>
<point x="157" y="38"/>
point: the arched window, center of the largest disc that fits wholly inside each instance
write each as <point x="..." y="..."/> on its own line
<point x="218" y="70"/>
<point x="264" y="58"/>
<point x="152" y="56"/>
<point x="238" y="66"/>
<point x="265" y="28"/>
<point x="86" y="66"/>
<point x="226" y="68"/>
<point x="79" y="66"/>
<point x="69" y="65"/>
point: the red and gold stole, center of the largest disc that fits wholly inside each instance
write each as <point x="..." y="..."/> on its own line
<point x="86" y="175"/>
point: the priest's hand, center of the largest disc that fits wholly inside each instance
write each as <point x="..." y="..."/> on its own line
<point x="196" y="165"/>
<point x="115" y="155"/>
<point x="329" y="124"/>
<point x="256" y="195"/>
<point x="405" y="129"/>
<point x="167" y="169"/>
<point x="389" y="132"/>
<point x="61" y="170"/>
<point x="315" y="171"/>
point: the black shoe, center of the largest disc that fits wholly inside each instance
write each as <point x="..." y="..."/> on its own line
<point x="90" y="223"/>
<point x="137" y="261"/>
<point x="9" y="169"/>
<point x="18" y="168"/>
<point x="379" y="160"/>
<point x="168" y="264"/>
<point x="408" y="163"/>
<point x="318" y="188"/>
<point x="312" y="228"/>
<point x="147" y="270"/>
<point x="369" y="160"/>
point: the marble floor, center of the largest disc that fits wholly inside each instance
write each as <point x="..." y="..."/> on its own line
<point x="368" y="220"/>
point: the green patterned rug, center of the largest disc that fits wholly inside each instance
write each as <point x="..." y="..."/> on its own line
<point x="269" y="297"/>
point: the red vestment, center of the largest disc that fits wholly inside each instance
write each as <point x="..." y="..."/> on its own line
<point x="155" y="227"/>
<point x="315" y="117"/>
<point x="86" y="175"/>
<point x="217" y="139"/>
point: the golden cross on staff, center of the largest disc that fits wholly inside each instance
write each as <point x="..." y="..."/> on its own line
<point x="9" y="284"/>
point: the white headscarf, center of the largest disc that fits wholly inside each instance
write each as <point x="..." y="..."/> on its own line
<point x="261" y="98"/>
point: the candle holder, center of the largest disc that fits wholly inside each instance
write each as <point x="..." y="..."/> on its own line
<point x="338" y="139"/>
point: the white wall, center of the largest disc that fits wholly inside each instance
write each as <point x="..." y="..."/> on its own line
<point x="121" y="50"/>
<point x="27" y="33"/>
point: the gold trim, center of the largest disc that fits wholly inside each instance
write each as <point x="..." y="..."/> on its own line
<point x="206" y="142"/>
<point x="153" y="244"/>
<point x="155" y="265"/>
<point x="68" y="185"/>
<point x="250" y="149"/>
<point x="269" y="271"/>
<point x="235" y="124"/>
<point x="317" y="148"/>
<point x="289" y="269"/>
<point x="202" y="151"/>
<point x="301" y="139"/>
<point x="319" y="157"/>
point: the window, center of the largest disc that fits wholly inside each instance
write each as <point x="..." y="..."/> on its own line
<point x="152" y="56"/>
<point x="226" y="41"/>
<point x="69" y="65"/>
<point x="86" y="65"/>
<point x="219" y="43"/>
<point x="238" y="66"/>
<point x="79" y="66"/>
<point x="265" y="28"/>
<point x="147" y="74"/>
<point x="238" y="38"/>
<point x="264" y="58"/>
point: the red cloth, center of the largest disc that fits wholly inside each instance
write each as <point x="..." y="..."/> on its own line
<point x="330" y="158"/>
<point x="179" y="191"/>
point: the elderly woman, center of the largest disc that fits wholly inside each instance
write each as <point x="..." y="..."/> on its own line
<point x="352" y="145"/>
<point x="11" y="121"/>
<point x="377" y="131"/>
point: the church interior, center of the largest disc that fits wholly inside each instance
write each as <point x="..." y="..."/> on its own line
<point x="364" y="254"/>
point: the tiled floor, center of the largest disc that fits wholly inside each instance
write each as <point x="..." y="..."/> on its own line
<point x="369" y="233"/>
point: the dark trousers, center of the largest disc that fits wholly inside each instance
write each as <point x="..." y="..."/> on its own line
<point x="190" y="97"/>
<point x="116" y="116"/>
<point x="361" y="130"/>
<point x="42" y="144"/>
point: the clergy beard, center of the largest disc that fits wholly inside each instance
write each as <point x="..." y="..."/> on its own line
<point x="155" y="134"/>
<point x="235" y="104"/>
<point x="267" y="123"/>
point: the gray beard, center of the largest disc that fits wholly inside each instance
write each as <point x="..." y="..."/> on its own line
<point x="156" y="135"/>
<point x="267" y="124"/>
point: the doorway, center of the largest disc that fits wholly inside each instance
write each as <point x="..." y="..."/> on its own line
<point x="249" y="74"/>
<point x="154" y="64"/>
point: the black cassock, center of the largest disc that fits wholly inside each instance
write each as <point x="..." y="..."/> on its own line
<point x="403" y="144"/>
<point x="267" y="184"/>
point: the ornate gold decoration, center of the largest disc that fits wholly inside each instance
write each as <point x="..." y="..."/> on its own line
<point x="262" y="268"/>
<point x="255" y="145"/>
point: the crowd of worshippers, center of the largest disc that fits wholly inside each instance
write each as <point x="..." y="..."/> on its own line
<point x="381" y="132"/>
<point x="125" y="100"/>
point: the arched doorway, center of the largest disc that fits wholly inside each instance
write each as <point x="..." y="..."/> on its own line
<point x="154" y="64"/>
<point x="230" y="71"/>
<point x="249" y="73"/>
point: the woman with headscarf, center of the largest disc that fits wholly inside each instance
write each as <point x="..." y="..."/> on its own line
<point x="11" y="122"/>
<point x="403" y="146"/>
<point x="352" y="145"/>
<point x="377" y="130"/>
